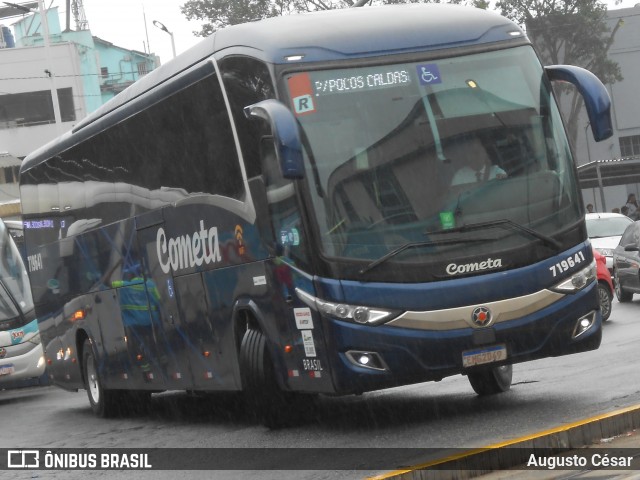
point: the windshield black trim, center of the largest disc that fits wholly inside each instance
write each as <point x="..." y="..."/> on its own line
<point x="549" y="241"/>
<point x="428" y="243"/>
<point x="413" y="272"/>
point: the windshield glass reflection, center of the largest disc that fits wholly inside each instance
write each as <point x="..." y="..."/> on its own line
<point x="419" y="149"/>
<point x="15" y="291"/>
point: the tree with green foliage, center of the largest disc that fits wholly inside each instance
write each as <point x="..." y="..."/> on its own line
<point x="574" y="32"/>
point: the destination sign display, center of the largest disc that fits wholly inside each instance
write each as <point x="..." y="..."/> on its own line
<point x="306" y="87"/>
<point x="344" y="81"/>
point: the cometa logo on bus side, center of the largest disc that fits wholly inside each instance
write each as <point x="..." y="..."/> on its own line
<point x="188" y="251"/>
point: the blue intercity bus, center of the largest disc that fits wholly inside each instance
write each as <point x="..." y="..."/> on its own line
<point x="327" y="203"/>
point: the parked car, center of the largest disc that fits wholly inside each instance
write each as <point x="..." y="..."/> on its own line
<point x="604" y="231"/>
<point x="626" y="263"/>
<point x="605" y="285"/>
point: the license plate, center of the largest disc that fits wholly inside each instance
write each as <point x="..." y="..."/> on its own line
<point x="7" y="369"/>
<point x="480" y="356"/>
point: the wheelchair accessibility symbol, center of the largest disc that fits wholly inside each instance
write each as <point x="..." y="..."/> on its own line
<point x="429" y="74"/>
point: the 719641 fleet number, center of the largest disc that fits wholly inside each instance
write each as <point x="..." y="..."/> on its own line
<point x="564" y="265"/>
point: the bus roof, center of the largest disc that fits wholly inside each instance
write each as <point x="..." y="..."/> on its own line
<point x="329" y="36"/>
<point x="356" y="32"/>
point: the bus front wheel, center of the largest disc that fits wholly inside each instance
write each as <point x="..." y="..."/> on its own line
<point x="103" y="402"/>
<point x="264" y="397"/>
<point x="489" y="381"/>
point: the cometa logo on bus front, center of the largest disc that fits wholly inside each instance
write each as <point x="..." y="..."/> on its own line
<point x="188" y="251"/>
<point x="488" y="264"/>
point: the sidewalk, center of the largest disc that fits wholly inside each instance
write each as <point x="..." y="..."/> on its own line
<point x="625" y="444"/>
<point x="591" y="443"/>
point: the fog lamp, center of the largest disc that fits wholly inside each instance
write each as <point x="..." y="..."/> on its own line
<point x="584" y="324"/>
<point x="370" y="360"/>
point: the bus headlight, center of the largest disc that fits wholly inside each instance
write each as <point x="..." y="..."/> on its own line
<point x="356" y="313"/>
<point x="578" y="280"/>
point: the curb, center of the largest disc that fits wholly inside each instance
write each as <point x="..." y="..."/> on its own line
<point x="512" y="453"/>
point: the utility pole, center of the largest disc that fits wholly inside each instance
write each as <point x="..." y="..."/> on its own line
<point x="49" y="71"/>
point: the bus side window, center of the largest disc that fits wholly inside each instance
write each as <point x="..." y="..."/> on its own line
<point x="247" y="81"/>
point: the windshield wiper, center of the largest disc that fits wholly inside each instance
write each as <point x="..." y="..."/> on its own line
<point x="504" y="223"/>
<point x="549" y="241"/>
<point x="428" y="243"/>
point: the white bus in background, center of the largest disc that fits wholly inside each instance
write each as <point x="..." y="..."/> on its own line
<point x="22" y="360"/>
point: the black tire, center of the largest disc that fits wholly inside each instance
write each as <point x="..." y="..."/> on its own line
<point x="605" y="297"/>
<point x="264" y="398"/>
<point x="104" y="403"/>
<point x="621" y="295"/>
<point x="489" y="381"/>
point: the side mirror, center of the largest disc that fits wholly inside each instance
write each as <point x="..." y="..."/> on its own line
<point x="595" y="95"/>
<point x="284" y="129"/>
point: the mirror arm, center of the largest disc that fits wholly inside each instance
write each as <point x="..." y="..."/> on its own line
<point x="284" y="129"/>
<point x="596" y="97"/>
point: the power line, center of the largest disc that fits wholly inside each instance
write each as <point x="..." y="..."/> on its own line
<point x="119" y="74"/>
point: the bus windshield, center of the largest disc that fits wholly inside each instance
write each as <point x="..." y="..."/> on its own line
<point x="15" y="292"/>
<point x="412" y="153"/>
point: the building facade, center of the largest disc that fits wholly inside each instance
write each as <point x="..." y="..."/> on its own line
<point x="47" y="87"/>
<point x="616" y="160"/>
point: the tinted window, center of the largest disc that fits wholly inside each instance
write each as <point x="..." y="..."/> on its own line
<point x="247" y="81"/>
<point x="181" y="145"/>
<point x="186" y="142"/>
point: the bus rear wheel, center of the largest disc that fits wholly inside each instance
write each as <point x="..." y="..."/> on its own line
<point x="264" y="397"/>
<point x="104" y="403"/>
<point x="490" y="381"/>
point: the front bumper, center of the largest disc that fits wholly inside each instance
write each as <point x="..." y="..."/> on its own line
<point x="22" y="365"/>
<point x="417" y="348"/>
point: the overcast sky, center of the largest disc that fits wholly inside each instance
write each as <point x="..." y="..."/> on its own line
<point x="122" y="22"/>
